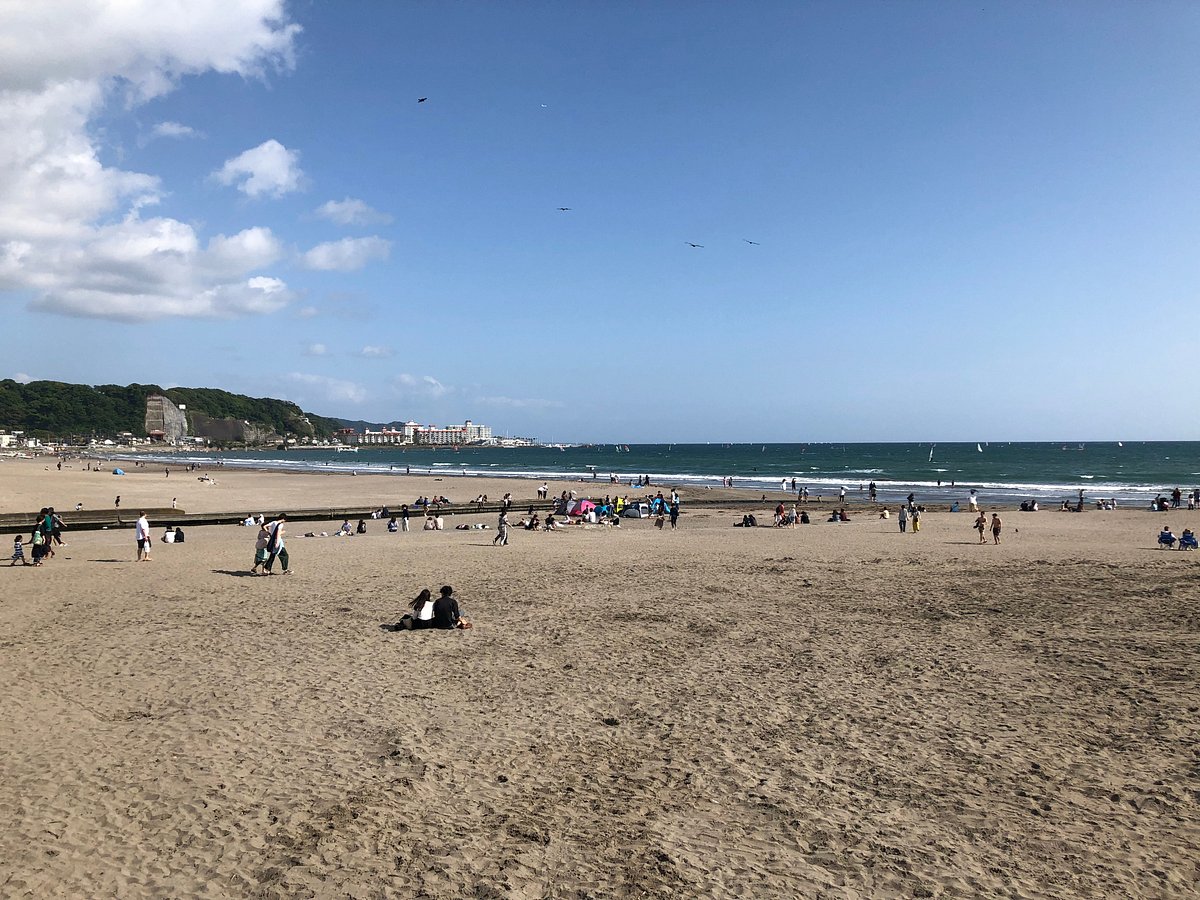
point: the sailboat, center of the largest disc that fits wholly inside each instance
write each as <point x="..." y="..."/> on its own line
<point x="977" y="447"/>
<point x="931" y="452"/>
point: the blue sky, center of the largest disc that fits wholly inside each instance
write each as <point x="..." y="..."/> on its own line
<point x="973" y="221"/>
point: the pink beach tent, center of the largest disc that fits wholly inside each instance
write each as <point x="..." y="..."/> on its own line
<point x="582" y="508"/>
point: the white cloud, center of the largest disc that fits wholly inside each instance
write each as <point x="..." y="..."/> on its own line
<point x="346" y="255"/>
<point x="515" y="403"/>
<point x="422" y="386"/>
<point x="270" y="168"/>
<point x="372" y="352"/>
<point x="322" y="387"/>
<point x="71" y="233"/>
<point x="174" y="130"/>
<point x="351" y="212"/>
<point x="144" y="269"/>
<point x="316" y="350"/>
<point x="307" y="312"/>
<point x="23" y="378"/>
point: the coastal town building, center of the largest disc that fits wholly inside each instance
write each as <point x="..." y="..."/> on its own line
<point x="415" y="434"/>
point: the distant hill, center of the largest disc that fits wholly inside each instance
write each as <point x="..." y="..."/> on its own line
<point x="60" y="410"/>
<point x="360" y="425"/>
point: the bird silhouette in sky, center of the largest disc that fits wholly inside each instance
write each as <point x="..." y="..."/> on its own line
<point x="564" y="209"/>
<point x="694" y="246"/>
<point x="748" y="241"/>
<point x="422" y="99"/>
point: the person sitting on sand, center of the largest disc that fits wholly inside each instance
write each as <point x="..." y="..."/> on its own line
<point x="345" y="530"/>
<point x="362" y="526"/>
<point x="392" y="527"/>
<point x="429" y="525"/>
<point x="420" y="617"/>
<point x="445" y="611"/>
<point x="842" y="517"/>
<point x="1187" y="540"/>
<point x="1166" y="538"/>
<point x="551" y="524"/>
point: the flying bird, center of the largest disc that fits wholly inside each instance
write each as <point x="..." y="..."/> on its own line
<point x="748" y="241"/>
<point x="564" y="209"/>
<point x="422" y="99"/>
<point x="696" y="246"/>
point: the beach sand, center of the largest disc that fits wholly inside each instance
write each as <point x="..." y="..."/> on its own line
<point x="829" y="711"/>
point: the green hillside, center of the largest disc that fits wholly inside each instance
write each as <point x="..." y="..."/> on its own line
<point x="54" y="409"/>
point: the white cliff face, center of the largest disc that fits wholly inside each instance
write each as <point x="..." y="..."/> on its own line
<point x="163" y="415"/>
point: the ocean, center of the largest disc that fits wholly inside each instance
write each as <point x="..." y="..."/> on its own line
<point x="1134" y="472"/>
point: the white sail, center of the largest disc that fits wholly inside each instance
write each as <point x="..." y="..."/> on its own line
<point x="977" y="447"/>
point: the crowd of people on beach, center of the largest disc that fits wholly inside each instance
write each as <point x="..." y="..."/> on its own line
<point x="46" y="533"/>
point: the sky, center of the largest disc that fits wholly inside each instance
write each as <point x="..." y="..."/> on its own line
<point x="916" y="220"/>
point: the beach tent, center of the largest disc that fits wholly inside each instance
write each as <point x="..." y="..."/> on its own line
<point x="581" y="508"/>
<point x="118" y="471"/>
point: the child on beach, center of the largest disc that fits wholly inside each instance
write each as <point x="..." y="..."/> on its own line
<point x="18" y="552"/>
<point x="260" y="548"/>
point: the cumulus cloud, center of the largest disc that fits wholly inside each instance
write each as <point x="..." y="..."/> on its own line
<point x="346" y="255"/>
<point x="419" y="386"/>
<point x="316" y="350"/>
<point x="373" y="352"/>
<point x="173" y="130"/>
<point x="270" y="168"/>
<point x="324" y="388"/>
<point x="23" y="378"/>
<point x="351" y="212"/>
<point x="71" y="230"/>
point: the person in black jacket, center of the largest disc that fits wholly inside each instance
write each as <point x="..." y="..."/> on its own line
<point x="445" y="611"/>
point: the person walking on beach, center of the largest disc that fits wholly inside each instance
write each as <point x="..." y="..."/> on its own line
<point x="404" y="517"/>
<point x="118" y="501"/>
<point x="996" y="526"/>
<point x="674" y="515"/>
<point x="903" y="519"/>
<point x="501" y="537"/>
<point x="981" y="527"/>
<point x="973" y="501"/>
<point x="141" y="531"/>
<point x="916" y="519"/>
<point x="276" y="546"/>
<point x="261" y="540"/>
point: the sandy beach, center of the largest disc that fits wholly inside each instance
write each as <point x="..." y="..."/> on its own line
<point x="830" y="711"/>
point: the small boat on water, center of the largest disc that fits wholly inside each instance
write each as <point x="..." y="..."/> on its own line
<point x="346" y="449"/>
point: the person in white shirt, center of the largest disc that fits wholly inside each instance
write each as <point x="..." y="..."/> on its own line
<point x="141" y="531"/>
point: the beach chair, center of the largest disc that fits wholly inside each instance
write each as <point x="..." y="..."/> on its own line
<point x="1188" y="541"/>
<point x="1166" y="540"/>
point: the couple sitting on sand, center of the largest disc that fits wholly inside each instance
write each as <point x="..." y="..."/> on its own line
<point x="430" y="613"/>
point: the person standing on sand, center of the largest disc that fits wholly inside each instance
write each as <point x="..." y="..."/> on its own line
<point x="141" y="531"/>
<point x="276" y="546"/>
<point x="996" y="526"/>
<point x="501" y="537"/>
<point x="903" y="518"/>
<point x="118" y="501"/>
<point x="404" y="517"/>
<point x="981" y="527"/>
